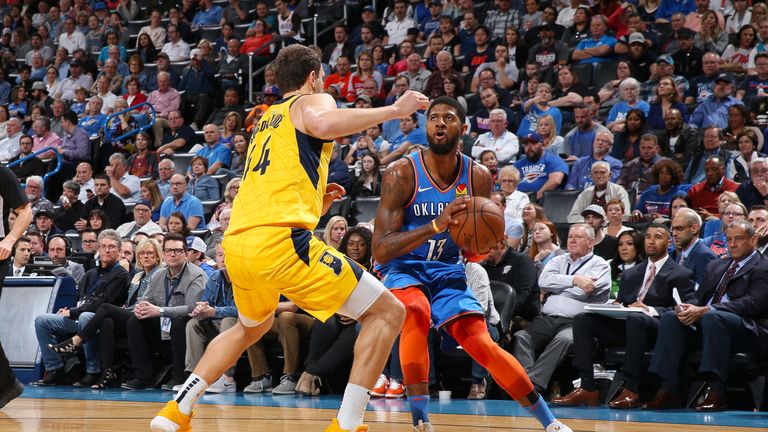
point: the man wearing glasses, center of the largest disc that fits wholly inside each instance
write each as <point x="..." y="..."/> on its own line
<point x="142" y="221"/>
<point x="106" y="284"/>
<point x="162" y="315"/>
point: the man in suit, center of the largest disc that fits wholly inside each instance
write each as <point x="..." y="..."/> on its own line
<point x="648" y="285"/>
<point x="729" y="314"/>
<point x="689" y="251"/>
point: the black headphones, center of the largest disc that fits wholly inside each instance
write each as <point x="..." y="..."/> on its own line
<point x="67" y="243"/>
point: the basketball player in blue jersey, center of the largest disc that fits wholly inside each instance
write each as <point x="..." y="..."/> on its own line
<point x="420" y="263"/>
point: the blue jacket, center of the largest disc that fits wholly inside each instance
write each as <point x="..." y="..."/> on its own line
<point x="581" y="172"/>
<point x="218" y="294"/>
<point x="698" y="259"/>
<point x="197" y="82"/>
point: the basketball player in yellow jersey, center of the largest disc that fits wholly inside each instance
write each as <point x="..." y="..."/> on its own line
<point x="270" y="249"/>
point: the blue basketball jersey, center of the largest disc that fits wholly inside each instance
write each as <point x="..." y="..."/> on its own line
<point x="428" y="203"/>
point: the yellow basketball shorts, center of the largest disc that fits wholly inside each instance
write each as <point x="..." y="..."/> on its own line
<point x="265" y="262"/>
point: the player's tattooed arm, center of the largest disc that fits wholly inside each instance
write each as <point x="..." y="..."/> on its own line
<point x="482" y="181"/>
<point x="397" y="189"/>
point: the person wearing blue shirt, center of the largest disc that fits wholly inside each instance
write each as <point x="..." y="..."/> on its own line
<point x="581" y="171"/>
<point x="390" y="129"/>
<point x="181" y="201"/>
<point x="412" y="135"/>
<point x="538" y="106"/>
<point x="578" y="142"/>
<point x="667" y="8"/>
<point x="93" y="121"/>
<point x="218" y="155"/>
<point x="629" y="91"/>
<point x="208" y="15"/>
<point x="714" y="110"/>
<point x="540" y="170"/>
<point x="599" y="47"/>
<point x="431" y="22"/>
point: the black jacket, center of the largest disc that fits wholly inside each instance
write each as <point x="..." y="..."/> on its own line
<point x="518" y="270"/>
<point x="113" y="206"/>
<point x="100" y="286"/>
<point x="659" y="296"/>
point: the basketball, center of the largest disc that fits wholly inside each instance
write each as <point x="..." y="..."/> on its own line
<point x="480" y="226"/>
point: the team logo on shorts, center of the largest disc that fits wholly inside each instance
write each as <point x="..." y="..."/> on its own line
<point x="332" y="262"/>
<point x="461" y="190"/>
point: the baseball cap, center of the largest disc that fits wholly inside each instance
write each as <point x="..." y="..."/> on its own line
<point x="39" y="85"/>
<point x="144" y="203"/>
<point x="533" y="138"/>
<point x="196" y="243"/>
<point x="44" y="212"/>
<point x="369" y="9"/>
<point x="594" y="209"/>
<point x="724" y="76"/>
<point x="636" y="37"/>
<point x="162" y="54"/>
<point x="76" y="62"/>
<point x="100" y="6"/>
<point x="666" y="58"/>
<point x="686" y="33"/>
<point x="271" y="90"/>
<point x="195" y="53"/>
<point x="6" y="31"/>
<point x="365" y="98"/>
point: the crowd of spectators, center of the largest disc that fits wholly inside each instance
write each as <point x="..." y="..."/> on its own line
<point x="653" y="113"/>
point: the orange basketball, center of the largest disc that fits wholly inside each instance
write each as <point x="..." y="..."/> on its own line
<point x="480" y="226"/>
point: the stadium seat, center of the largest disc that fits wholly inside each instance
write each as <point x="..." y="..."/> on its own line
<point x="182" y="161"/>
<point x="504" y="299"/>
<point x="136" y="25"/>
<point x="365" y="208"/>
<point x="583" y="72"/>
<point x="602" y="73"/>
<point x="209" y="206"/>
<point x="558" y="203"/>
<point x="338" y="208"/>
<point x="211" y="33"/>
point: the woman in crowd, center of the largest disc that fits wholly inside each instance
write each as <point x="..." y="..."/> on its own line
<point x="615" y="211"/>
<point x="667" y="96"/>
<point x="232" y="124"/>
<point x="369" y="182"/>
<point x="509" y="178"/>
<point x="144" y="162"/>
<point x="200" y="184"/>
<point x="98" y="221"/>
<point x="711" y="37"/>
<point x="109" y="322"/>
<point x="206" y="50"/>
<point x="380" y="63"/>
<point x="146" y="49"/>
<point x="364" y="71"/>
<point x="678" y="201"/>
<point x="736" y="56"/>
<point x="52" y="81"/>
<point x="517" y="52"/>
<point x="553" y="142"/>
<point x="453" y="89"/>
<point x="626" y="144"/>
<point x="739" y="121"/>
<point x="531" y="214"/>
<point x="629" y="90"/>
<point x="630" y="252"/>
<point x="177" y="223"/>
<point x="133" y="95"/>
<point x="610" y="94"/>
<point x="568" y="93"/>
<point x="657" y="199"/>
<point x="18" y="105"/>
<point x="151" y="192"/>
<point x="448" y="34"/>
<point x="738" y="167"/>
<point x="239" y="154"/>
<point x="4" y="116"/>
<point x="258" y="41"/>
<point x="545" y="245"/>
<point x="712" y="223"/>
<point x="230" y="192"/>
<point x="334" y="231"/>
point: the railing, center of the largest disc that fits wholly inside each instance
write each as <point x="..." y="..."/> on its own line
<point x="108" y="132"/>
<point x="45" y="150"/>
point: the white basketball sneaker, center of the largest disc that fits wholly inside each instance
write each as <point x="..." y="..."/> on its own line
<point x="556" y="426"/>
<point x="424" y="427"/>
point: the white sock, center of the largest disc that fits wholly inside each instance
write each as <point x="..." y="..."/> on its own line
<point x="353" y="406"/>
<point x="190" y="392"/>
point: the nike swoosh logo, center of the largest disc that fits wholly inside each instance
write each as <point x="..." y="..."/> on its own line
<point x="424" y="189"/>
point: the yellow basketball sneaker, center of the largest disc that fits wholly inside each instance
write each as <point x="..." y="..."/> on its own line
<point x="334" y="427"/>
<point x="170" y="419"/>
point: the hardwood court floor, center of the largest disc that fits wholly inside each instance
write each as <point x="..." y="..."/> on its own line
<point x="62" y="410"/>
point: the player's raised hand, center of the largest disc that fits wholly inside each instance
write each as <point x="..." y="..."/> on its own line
<point x="410" y="102"/>
<point x="445" y="220"/>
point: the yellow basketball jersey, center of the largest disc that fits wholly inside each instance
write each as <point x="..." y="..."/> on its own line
<point x="285" y="175"/>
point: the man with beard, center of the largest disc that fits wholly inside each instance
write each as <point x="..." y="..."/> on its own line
<point x="419" y="261"/>
<point x="714" y="110"/>
<point x="540" y="170"/>
<point x="690" y="251"/>
<point x="758" y="217"/>
<point x="548" y="52"/>
<point x="678" y="140"/>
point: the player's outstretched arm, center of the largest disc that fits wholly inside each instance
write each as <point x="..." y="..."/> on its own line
<point x="396" y="191"/>
<point x="318" y="116"/>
